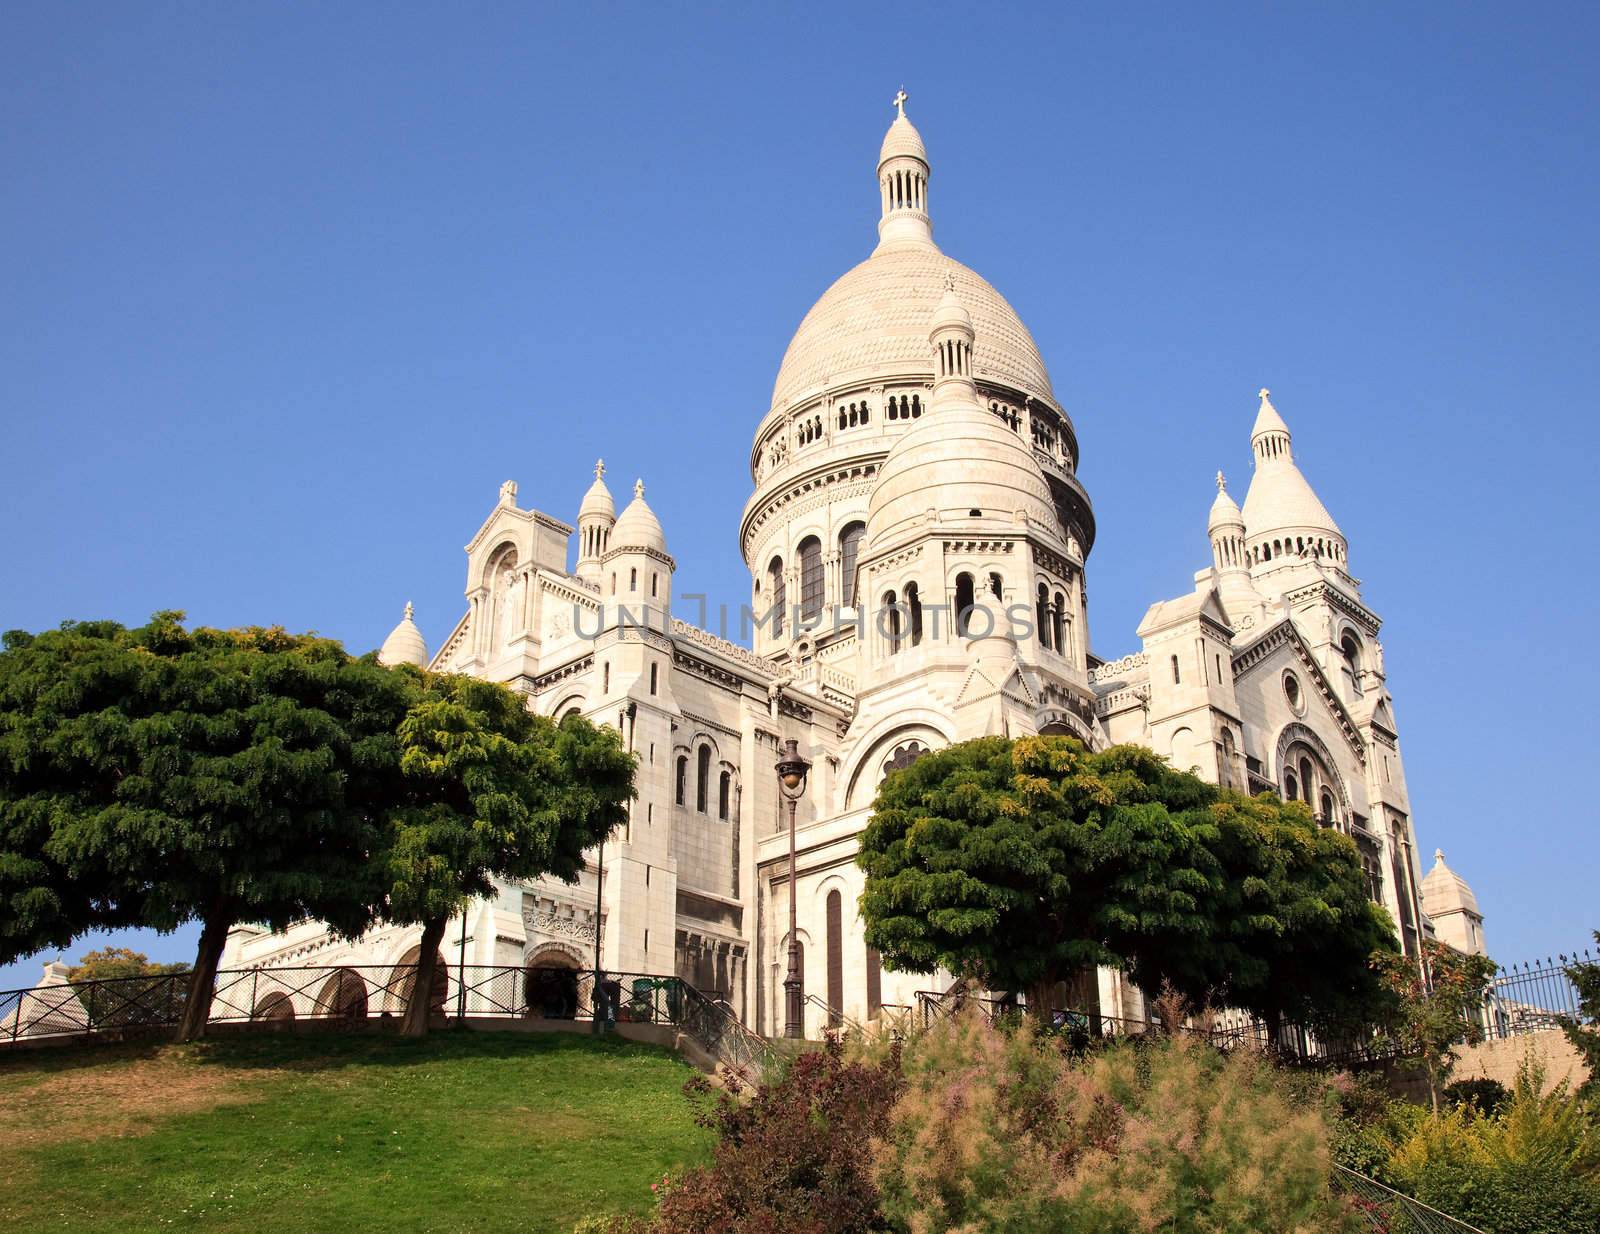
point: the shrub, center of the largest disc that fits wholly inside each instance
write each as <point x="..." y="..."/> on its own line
<point x="1531" y="1168"/>
<point x="1001" y="1131"/>
<point x="1484" y="1095"/>
<point x="793" y="1158"/>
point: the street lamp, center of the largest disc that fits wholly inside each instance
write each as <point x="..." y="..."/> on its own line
<point x="792" y="771"/>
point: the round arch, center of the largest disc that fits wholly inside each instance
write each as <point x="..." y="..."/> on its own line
<point x="274" y="1006"/>
<point x="860" y="772"/>
<point x="403" y="980"/>
<point x="343" y="996"/>
<point x="1300" y="734"/>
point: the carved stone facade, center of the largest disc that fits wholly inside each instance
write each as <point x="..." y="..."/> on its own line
<point x="917" y="539"/>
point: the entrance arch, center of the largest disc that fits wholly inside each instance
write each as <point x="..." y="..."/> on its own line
<point x="403" y="981"/>
<point x="343" y="996"/>
<point x="550" y="984"/>
<point x="276" y="1007"/>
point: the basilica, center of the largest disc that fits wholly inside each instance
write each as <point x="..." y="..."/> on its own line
<point x="917" y="537"/>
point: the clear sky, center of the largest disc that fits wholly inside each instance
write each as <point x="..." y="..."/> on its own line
<point x="288" y="290"/>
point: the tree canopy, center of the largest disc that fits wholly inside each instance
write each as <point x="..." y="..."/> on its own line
<point x="159" y="775"/>
<point x="1022" y="863"/>
<point x="488" y="791"/>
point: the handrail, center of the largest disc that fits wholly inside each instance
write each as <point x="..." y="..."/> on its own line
<point x="834" y="1014"/>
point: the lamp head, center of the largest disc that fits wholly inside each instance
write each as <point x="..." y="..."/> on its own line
<point x="792" y="770"/>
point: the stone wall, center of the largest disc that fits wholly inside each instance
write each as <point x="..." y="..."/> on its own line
<point x="1499" y="1060"/>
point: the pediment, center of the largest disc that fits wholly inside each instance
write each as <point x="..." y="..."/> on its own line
<point x="1282" y="647"/>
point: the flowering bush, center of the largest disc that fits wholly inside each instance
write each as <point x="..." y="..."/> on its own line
<point x="999" y="1130"/>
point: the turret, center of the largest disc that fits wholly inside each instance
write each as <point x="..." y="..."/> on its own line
<point x="637" y="569"/>
<point x="1283" y="518"/>
<point x="903" y="183"/>
<point x="1453" y="909"/>
<point x="596" y="518"/>
<point x="405" y="644"/>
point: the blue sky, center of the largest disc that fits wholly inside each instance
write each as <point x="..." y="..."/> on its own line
<point x="289" y="290"/>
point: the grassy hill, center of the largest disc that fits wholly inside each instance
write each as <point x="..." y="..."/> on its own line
<point x="485" y="1132"/>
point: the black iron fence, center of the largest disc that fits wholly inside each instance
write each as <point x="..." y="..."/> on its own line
<point x="1528" y="998"/>
<point x="361" y="993"/>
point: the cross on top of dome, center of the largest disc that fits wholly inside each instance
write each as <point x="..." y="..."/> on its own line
<point x="900" y="101"/>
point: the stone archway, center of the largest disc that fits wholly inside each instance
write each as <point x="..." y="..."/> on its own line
<point x="403" y="980"/>
<point x="551" y="980"/>
<point x="277" y="1006"/>
<point x="343" y="996"/>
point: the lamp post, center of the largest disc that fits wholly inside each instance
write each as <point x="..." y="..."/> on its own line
<point x="792" y="771"/>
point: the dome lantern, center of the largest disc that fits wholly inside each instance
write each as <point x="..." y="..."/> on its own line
<point x="903" y="183"/>
<point x="597" y="515"/>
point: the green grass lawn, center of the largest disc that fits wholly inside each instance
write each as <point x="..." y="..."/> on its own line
<point x="276" y="1134"/>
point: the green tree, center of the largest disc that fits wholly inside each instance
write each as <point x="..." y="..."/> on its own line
<point x="1585" y="1033"/>
<point x="489" y="791"/>
<point x="1296" y="930"/>
<point x="1438" y="1005"/>
<point x="123" y="988"/>
<point x="1023" y="862"/>
<point x="115" y="963"/>
<point x="158" y="775"/>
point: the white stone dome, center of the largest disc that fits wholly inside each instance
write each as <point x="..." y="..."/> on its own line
<point x="1225" y="510"/>
<point x="872" y="325"/>
<point x="1445" y="891"/>
<point x="955" y="461"/>
<point x="597" y="502"/>
<point x="638" y="527"/>
<point x="405" y="644"/>
<point x="902" y="141"/>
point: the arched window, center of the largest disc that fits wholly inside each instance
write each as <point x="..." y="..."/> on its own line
<point x="633" y="579"/>
<point x="654" y="668"/>
<point x="1177" y="677"/>
<point x="850" y="552"/>
<point x="655" y="582"/>
<point x="874" y="984"/>
<point x="891" y="610"/>
<point x="916" y="406"/>
<point x="724" y="792"/>
<point x="1350" y="648"/>
<point x="1057" y="615"/>
<point x="997" y="587"/>
<point x="914" y="612"/>
<point x="777" y="589"/>
<point x="683" y="778"/>
<point x="702" y="786"/>
<point x="605" y="678"/>
<point x="1326" y="801"/>
<point x="810" y="578"/>
<point x="964" y="603"/>
<point x="1291" y="786"/>
<point x="1305" y="780"/>
<point x="835" y="959"/>
<point x="1041" y="615"/>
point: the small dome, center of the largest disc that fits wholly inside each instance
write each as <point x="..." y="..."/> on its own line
<point x="951" y="313"/>
<point x="597" y="501"/>
<point x="1281" y="499"/>
<point x="1224" y="510"/>
<point x="1444" y="891"/>
<point x="966" y="465"/>
<point x="902" y="141"/>
<point x="405" y="644"/>
<point x="638" y="527"/>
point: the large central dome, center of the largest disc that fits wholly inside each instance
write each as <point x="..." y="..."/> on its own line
<point x="873" y="323"/>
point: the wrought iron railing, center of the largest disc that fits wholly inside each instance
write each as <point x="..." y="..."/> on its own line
<point x="1529" y="998"/>
<point x="359" y="993"/>
<point x="1386" y="1211"/>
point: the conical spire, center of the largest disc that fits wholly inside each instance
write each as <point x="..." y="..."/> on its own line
<point x="903" y="183"/>
<point x="1283" y="517"/>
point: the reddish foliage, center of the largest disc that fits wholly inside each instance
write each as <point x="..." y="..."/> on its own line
<point x="794" y="1158"/>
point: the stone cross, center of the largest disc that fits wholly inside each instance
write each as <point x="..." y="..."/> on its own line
<point x="900" y="101"/>
<point x="1222" y="485"/>
<point x="1262" y="393"/>
<point x="409" y="610"/>
<point x="599" y="468"/>
<point x="638" y="489"/>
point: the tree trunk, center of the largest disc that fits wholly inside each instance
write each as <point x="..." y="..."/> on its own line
<point x="1041" y="996"/>
<point x="203" y="980"/>
<point x="420" y="1005"/>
